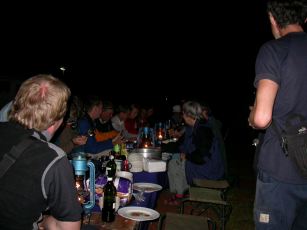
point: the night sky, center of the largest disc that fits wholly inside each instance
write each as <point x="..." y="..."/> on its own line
<point x="156" y="43"/>
<point x="215" y="42"/>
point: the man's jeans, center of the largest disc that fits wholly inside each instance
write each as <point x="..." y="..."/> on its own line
<point x="279" y="205"/>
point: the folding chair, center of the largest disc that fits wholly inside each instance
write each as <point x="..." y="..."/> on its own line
<point x="212" y="195"/>
<point x="175" y="221"/>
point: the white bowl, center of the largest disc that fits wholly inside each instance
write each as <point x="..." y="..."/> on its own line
<point x="124" y="174"/>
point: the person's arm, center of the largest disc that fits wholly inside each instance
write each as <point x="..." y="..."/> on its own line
<point x="50" y="223"/>
<point x="93" y="146"/>
<point x="260" y="116"/>
<point x="59" y="186"/>
<point x="116" y="123"/>
<point x="65" y="140"/>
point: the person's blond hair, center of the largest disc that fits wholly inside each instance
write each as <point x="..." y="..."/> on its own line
<point x="40" y="102"/>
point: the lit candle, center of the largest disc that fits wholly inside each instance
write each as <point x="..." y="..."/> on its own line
<point x="78" y="185"/>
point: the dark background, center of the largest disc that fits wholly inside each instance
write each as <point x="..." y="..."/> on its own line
<point x="214" y="43"/>
<point x="139" y="52"/>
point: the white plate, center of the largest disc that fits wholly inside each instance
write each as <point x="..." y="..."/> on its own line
<point x="146" y="187"/>
<point x="138" y="213"/>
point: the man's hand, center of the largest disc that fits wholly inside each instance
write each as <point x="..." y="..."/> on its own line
<point x="79" y="140"/>
<point x="117" y="140"/>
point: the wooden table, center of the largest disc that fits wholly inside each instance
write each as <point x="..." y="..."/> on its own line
<point x="95" y="222"/>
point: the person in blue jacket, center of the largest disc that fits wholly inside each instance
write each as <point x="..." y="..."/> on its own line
<point x="200" y="152"/>
<point x="87" y="127"/>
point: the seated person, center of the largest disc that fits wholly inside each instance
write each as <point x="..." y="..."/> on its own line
<point x="173" y="146"/>
<point x="103" y="123"/>
<point x="216" y="126"/>
<point x="87" y="127"/>
<point x="118" y="122"/>
<point x="68" y="138"/>
<point x="104" y="128"/>
<point x="200" y="156"/>
<point x="176" y="129"/>
<point x="131" y="124"/>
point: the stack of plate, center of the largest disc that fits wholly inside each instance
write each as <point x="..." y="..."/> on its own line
<point x="136" y="161"/>
<point x="152" y="165"/>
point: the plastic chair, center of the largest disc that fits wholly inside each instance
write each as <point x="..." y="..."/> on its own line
<point x="175" y="221"/>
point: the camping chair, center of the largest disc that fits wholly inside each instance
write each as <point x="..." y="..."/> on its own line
<point x="211" y="195"/>
<point x="175" y="221"/>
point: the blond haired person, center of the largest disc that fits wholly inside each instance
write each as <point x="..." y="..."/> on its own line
<point x="41" y="177"/>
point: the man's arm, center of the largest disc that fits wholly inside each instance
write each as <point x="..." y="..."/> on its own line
<point x="64" y="207"/>
<point x="51" y="223"/>
<point x="260" y="116"/>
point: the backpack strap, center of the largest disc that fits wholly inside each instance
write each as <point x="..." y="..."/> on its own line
<point x="283" y="142"/>
<point x="292" y="120"/>
<point x="10" y="158"/>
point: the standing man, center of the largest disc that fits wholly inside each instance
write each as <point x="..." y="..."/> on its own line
<point x="41" y="178"/>
<point x="281" y="82"/>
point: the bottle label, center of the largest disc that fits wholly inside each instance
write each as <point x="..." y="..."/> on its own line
<point x="113" y="206"/>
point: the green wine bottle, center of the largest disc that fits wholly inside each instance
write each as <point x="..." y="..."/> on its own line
<point x="109" y="201"/>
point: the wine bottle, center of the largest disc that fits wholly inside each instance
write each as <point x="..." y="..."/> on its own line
<point x="111" y="167"/>
<point x="109" y="201"/>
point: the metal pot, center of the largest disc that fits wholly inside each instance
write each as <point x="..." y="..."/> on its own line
<point x="153" y="153"/>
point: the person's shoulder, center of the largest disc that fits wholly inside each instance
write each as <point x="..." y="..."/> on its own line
<point x="268" y="46"/>
<point x="204" y="126"/>
<point x="203" y="123"/>
<point x="46" y="148"/>
<point x="13" y="132"/>
<point x="277" y="45"/>
<point x="60" y="152"/>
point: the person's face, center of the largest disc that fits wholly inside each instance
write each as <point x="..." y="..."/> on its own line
<point x="188" y="120"/>
<point x="205" y="114"/>
<point x="123" y="116"/>
<point x="97" y="111"/>
<point x="106" y="115"/>
<point x="133" y="113"/>
<point x="150" y="112"/>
